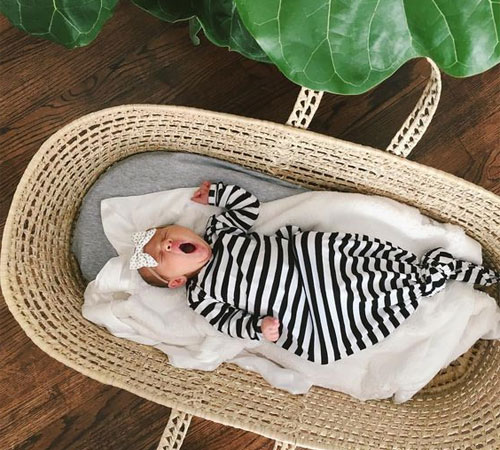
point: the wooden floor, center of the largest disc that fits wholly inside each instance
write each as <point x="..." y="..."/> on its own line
<point x="138" y="59"/>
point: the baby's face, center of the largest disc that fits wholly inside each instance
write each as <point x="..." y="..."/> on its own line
<point x="179" y="252"/>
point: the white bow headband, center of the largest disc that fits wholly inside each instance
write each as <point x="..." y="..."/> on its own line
<point x="139" y="258"/>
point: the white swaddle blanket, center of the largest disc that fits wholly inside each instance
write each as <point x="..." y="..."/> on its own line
<point x="441" y="329"/>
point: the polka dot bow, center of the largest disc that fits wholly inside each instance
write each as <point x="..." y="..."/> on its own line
<point x="139" y="258"/>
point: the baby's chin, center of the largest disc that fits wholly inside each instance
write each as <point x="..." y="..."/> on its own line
<point x="200" y="256"/>
<point x="202" y="263"/>
<point x="206" y="253"/>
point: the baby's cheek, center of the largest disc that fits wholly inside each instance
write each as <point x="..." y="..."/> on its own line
<point x="183" y="264"/>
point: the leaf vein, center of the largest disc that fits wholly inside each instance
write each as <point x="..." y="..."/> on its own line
<point x="449" y="30"/>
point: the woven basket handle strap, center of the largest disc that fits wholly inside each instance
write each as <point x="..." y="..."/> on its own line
<point x="410" y="133"/>
<point x="177" y="427"/>
<point x="175" y="431"/>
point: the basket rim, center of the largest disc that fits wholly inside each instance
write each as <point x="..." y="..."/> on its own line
<point x="33" y="165"/>
<point x="234" y="117"/>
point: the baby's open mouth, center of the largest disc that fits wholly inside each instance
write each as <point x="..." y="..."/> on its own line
<point x="187" y="247"/>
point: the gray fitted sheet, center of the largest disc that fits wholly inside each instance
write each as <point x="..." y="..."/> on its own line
<point x="152" y="172"/>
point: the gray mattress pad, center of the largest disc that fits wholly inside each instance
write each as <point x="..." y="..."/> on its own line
<point x="153" y="172"/>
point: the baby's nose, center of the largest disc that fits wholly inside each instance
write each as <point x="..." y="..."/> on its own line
<point x="168" y="245"/>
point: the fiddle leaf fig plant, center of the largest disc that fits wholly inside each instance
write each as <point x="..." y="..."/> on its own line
<point x="344" y="47"/>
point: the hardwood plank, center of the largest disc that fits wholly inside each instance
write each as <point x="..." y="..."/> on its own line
<point x="204" y="434"/>
<point x="27" y="62"/>
<point x="111" y="419"/>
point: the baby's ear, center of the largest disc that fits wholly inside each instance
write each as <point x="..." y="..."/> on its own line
<point x="177" y="282"/>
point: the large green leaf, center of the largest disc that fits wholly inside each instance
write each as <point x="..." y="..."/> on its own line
<point x="349" y="46"/>
<point x="73" y="23"/>
<point x="219" y="20"/>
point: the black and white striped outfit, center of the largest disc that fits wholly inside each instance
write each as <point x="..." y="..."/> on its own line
<point x="334" y="293"/>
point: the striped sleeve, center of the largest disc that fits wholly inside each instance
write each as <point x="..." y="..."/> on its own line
<point x="226" y="318"/>
<point x="242" y="209"/>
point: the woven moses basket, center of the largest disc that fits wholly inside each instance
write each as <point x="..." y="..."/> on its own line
<point x="43" y="287"/>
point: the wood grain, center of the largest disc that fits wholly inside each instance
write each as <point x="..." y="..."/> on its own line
<point x="138" y="59"/>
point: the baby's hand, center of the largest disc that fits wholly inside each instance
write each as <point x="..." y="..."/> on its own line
<point x="270" y="328"/>
<point x="201" y="195"/>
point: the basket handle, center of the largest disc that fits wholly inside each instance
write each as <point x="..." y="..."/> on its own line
<point x="176" y="430"/>
<point x="409" y="134"/>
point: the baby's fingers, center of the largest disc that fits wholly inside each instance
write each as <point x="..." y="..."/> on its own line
<point x="273" y="336"/>
<point x="205" y="186"/>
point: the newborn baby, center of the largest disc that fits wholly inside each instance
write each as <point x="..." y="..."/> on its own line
<point x="322" y="296"/>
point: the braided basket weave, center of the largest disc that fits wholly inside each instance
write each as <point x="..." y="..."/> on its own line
<point x="43" y="287"/>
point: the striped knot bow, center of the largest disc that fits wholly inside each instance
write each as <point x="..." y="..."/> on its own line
<point x="437" y="266"/>
<point x="438" y="260"/>
<point x="139" y="258"/>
